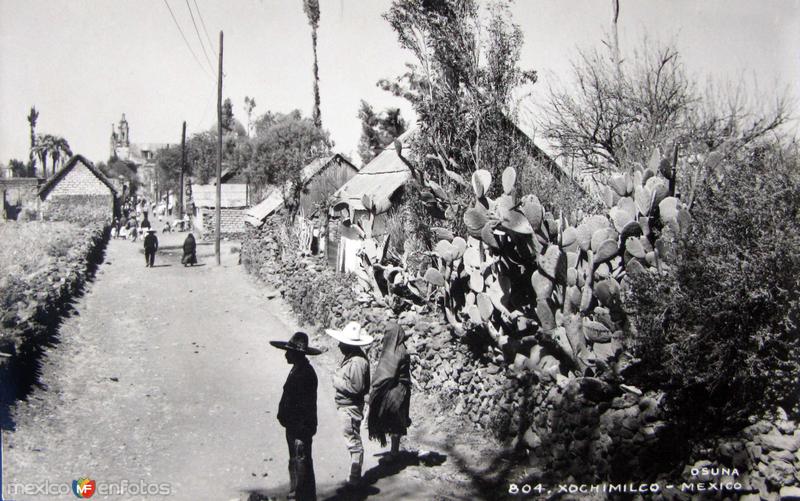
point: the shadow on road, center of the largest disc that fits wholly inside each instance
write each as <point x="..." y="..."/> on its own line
<point x="366" y="488"/>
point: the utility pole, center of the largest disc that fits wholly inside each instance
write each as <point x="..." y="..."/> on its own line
<point x="218" y="209"/>
<point x="183" y="168"/>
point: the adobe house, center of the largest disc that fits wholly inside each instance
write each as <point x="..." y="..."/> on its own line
<point x="320" y="179"/>
<point x="383" y="180"/>
<point x="76" y="192"/>
<point x="233" y="203"/>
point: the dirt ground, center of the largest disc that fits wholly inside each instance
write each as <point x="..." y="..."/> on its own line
<point x="165" y="376"/>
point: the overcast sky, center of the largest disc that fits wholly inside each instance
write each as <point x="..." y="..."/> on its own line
<point x="83" y="63"/>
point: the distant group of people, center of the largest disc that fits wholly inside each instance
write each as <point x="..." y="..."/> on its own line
<point x="134" y="221"/>
<point x="389" y="396"/>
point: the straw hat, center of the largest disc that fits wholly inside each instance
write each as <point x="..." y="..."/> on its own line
<point x="352" y="334"/>
<point x="298" y="342"/>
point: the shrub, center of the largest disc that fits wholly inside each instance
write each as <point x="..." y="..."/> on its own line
<point x="720" y="330"/>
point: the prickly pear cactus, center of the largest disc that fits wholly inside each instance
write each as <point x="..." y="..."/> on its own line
<point x="547" y="292"/>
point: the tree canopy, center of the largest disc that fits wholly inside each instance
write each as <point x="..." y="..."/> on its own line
<point x="377" y="130"/>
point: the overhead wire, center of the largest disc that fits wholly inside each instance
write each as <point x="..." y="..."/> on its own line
<point x="188" y="46"/>
<point x="197" y="32"/>
<point x="203" y="24"/>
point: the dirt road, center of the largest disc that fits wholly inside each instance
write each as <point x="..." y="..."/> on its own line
<point x="165" y="376"/>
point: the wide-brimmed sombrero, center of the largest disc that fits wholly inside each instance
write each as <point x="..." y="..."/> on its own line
<point x="298" y="342"/>
<point x="352" y="334"/>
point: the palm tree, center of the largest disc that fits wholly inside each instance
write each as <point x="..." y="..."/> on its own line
<point x="41" y="149"/>
<point x="32" y="118"/>
<point x="311" y="8"/>
<point x="60" y="150"/>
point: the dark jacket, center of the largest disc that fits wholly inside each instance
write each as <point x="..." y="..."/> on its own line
<point x="297" y="411"/>
<point x="151" y="242"/>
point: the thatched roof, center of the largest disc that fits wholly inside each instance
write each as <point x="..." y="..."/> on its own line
<point x="68" y="167"/>
<point x="379" y="179"/>
<point x="274" y="200"/>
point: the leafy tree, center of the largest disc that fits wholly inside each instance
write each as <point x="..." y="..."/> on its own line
<point x="18" y="168"/>
<point x="377" y="130"/>
<point x="311" y="8"/>
<point x="117" y="168"/>
<point x="44" y="144"/>
<point x="202" y="155"/>
<point x="719" y="331"/>
<point x="227" y="116"/>
<point x="168" y="165"/>
<point x="60" y="151"/>
<point x="263" y="123"/>
<point x="280" y="154"/>
<point x="462" y="86"/>
<point x="249" y="105"/>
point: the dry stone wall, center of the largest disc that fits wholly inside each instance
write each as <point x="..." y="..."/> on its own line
<point x="567" y="430"/>
<point x="33" y="303"/>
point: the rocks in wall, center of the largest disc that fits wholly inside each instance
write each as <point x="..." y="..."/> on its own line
<point x="583" y="429"/>
<point x="34" y="302"/>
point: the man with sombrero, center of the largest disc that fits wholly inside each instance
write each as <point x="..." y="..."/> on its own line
<point x="150" y="248"/>
<point x="351" y="382"/>
<point x="297" y="412"/>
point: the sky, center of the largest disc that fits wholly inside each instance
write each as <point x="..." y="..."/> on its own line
<point x="83" y="63"/>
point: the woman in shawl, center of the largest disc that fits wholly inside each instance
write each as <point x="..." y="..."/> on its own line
<point x="391" y="391"/>
<point x="189" y="251"/>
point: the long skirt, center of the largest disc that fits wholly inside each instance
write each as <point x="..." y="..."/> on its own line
<point x="189" y="258"/>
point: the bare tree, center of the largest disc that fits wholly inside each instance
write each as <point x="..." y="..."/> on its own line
<point x="613" y="117"/>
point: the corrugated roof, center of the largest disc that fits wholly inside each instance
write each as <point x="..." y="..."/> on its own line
<point x="232" y="195"/>
<point x="379" y="179"/>
<point x="256" y="214"/>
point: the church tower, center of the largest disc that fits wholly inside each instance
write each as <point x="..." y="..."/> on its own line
<point x="124" y="138"/>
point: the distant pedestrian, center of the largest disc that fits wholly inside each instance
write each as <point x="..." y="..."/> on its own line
<point x="115" y="228"/>
<point x="351" y="382"/>
<point x="189" y="251"/>
<point x="390" y="397"/>
<point x="134" y="233"/>
<point x="145" y="223"/>
<point x="150" y="248"/>
<point x="297" y="412"/>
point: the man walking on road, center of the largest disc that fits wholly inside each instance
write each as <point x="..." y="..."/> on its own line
<point x="297" y="412"/>
<point x="351" y="382"/>
<point x="150" y="248"/>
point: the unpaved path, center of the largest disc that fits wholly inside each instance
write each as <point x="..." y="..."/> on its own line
<point x="165" y="376"/>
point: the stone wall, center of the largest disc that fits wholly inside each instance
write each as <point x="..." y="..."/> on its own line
<point x="78" y="208"/>
<point x="33" y="304"/>
<point x="231" y="222"/>
<point x="19" y="194"/>
<point x="564" y="430"/>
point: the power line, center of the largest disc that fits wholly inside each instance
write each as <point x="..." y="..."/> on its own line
<point x="203" y="24"/>
<point x="197" y="32"/>
<point x="184" y="38"/>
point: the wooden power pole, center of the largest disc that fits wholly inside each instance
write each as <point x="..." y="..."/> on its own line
<point x="183" y="169"/>
<point x="218" y="209"/>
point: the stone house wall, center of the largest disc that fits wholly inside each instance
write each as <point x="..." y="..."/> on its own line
<point x="231" y="222"/>
<point x="79" y="194"/>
